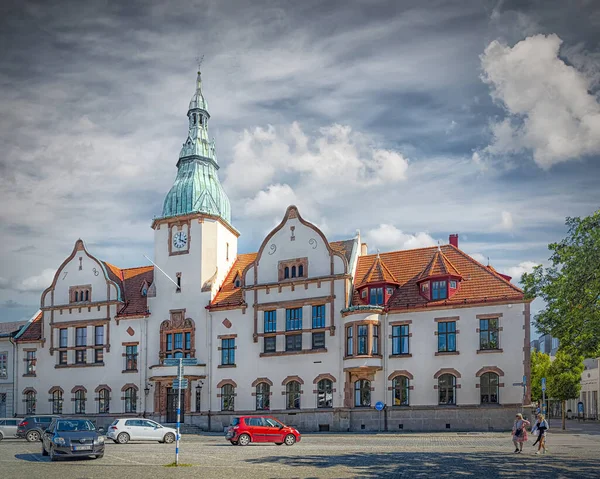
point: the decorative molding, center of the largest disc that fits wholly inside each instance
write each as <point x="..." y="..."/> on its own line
<point x="448" y="319"/>
<point x="289" y="379"/>
<point x="293" y="303"/>
<point x="447" y="353"/>
<point x="442" y="371"/>
<point x="489" y="316"/>
<point x="489" y="351"/>
<point x="313" y="243"/>
<point x="257" y="381"/>
<point x="224" y="382"/>
<point x="78" y="388"/>
<point x="101" y="387"/>
<point x="272" y="249"/>
<point x="324" y="376"/>
<point x="129" y="385"/>
<point x="489" y="369"/>
<point x="401" y="372"/>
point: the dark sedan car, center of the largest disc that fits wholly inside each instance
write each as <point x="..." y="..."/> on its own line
<point x="72" y="438"/>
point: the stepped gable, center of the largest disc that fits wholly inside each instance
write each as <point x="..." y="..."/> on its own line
<point x="133" y="279"/>
<point x="33" y="332"/>
<point x="229" y="295"/>
<point x="378" y="273"/>
<point x="478" y="285"/>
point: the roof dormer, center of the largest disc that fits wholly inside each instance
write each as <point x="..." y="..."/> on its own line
<point x="378" y="284"/>
<point x="439" y="280"/>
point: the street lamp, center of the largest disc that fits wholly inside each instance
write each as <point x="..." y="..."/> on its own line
<point x="147" y="389"/>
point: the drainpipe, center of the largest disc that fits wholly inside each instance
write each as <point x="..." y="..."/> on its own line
<point x="209" y="375"/>
<point x="145" y="339"/>
<point x="14" y="378"/>
<point x="385" y="369"/>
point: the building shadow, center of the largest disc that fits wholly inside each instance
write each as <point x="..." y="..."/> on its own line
<point x="446" y="465"/>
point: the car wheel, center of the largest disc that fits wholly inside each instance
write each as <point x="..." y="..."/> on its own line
<point x="52" y="454"/>
<point x="44" y="452"/>
<point x="234" y="443"/>
<point x="169" y="438"/>
<point x="1" y="436"/>
<point x="290" y="440"/>
<point x="123" y="438"/>
<point x="244" y="440"/>
<point x="33" y="436"/>
<point x="278" y="443"/>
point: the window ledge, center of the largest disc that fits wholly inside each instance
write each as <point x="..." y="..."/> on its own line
<point x="447" y="353"/>
<point x="221" y="366"/>
<point x="127" y="370"/>
<point x="78" y="365"/>
<point x="293" y="353"/>
<point x="489" y="351"/>
<point x="29" y="375"/>
<point x="364" y="356"/>
<point x="408" y="355"/>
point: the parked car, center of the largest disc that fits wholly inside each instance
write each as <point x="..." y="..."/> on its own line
<point x="32" y="427"/>
<point x="8" y="427"/>
<point x="246" y="429"/>
<point x="124" y="430"/>
<point x="71" y="437"/>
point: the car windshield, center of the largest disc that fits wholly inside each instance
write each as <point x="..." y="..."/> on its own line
<point x="74" y="426"/>
<point x="273" y="422"/>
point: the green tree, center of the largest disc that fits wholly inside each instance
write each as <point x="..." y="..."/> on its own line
<point x="540" y="365"/>
<point x="570" y="287"/>
<point x="564" y="378"/>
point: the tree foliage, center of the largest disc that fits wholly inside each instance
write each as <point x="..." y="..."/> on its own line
<point x="570" y="287"/>
<point x="564" y="376"/>
<point x="540" y="365"/>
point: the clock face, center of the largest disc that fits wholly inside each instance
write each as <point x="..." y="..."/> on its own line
<point x="180" y="239"/>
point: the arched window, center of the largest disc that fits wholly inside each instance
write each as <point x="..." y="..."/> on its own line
<point x="292" y="395"/>
<point x="400" y="390"/>
<point x="30" y="401"/>
<point x="177" y="337"/>
<point x="87" y="295"/>
<point x="227" y="398"/>
<point x="263" y="399"/>
<point x="301" y="271"/>
<point x="286" y="272"/>
<point x="130" y="400"/>
<point x="103" y="401"/>
<point x="293" y="271"/>
<point x="362" y="393"/>
<point x="489" y="388"/>
<point x="447" y="389"/>
<point x="80" y="401"/>
<point x="57" y="402"/>
<point x="325" y="393"/>
<point x="193" y="118"/>
<point x="76" y="296"/>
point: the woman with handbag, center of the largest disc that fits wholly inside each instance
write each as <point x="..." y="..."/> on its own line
<point x="519" y="432"/>
<point x="541" y="426"/>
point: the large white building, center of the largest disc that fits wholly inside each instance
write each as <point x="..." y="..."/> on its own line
<point x="311" y="331"/>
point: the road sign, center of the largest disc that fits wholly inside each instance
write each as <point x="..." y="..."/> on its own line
<point x="580" y="407"/>
<point x="189" y="361"/>
<point x="543" y="384"/>
<point x="171" y="362"/>
<point x="180" y="384"/>
<point x="379" y="406"/>
<point x="524" y="379"/>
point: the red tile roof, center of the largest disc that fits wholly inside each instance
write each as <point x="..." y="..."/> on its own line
<point x="228" y="295"/>
<point x="378" y="273"/>
<point x="133" y="280"/>
<point x="438" y="266"/>
<point x="478" y="284"/>
<point x="33" y="331"/>
<point x="344" y="247"/>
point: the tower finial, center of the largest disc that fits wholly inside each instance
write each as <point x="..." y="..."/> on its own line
<point x="199" y="60"/>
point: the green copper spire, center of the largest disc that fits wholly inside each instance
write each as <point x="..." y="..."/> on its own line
<point x="197" y="188"/>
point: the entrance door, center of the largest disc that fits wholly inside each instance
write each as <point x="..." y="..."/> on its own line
<point x="2" y="404"/>
<point x="172" y="405"/>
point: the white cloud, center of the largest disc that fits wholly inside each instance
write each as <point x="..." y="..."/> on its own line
<point x="517" y="271"/>
<point x="550" y="111"/>
<point x="507" y="222"/>
<point x="387" y="237"/>
<point x="37" y="283"/>
<point x="479" y="257"/>
<point x="273" y="200"/>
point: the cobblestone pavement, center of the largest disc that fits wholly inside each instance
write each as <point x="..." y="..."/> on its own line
<point x="442" y="455"/>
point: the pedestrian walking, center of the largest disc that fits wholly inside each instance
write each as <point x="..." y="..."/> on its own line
<point x="540" y="426"/>
<point x="519" y="432"/>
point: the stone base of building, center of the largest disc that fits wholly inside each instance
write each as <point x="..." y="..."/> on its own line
<point x="401" y="419"/>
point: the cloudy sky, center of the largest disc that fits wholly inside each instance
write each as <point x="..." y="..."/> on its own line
<point x="408" y="120"/>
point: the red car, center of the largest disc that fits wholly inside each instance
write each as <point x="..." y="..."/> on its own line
<point x="246" y="429"/>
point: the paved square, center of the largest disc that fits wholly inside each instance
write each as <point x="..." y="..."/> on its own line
<point x="572" y="455"/>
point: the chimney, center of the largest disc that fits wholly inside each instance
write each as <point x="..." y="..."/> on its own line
<point x="453" y="239"/>
<point x="363" y="249"/>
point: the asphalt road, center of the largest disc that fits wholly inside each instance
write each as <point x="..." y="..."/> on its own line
<point x="443" y="455"/>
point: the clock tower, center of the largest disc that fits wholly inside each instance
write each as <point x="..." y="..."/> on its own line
<point x="195" y="243"/>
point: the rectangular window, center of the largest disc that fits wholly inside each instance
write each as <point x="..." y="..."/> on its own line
<point x="81" y="337"/>
<point x="228" y="352"/>
<point x="99" y="335"/>
<point x="188" y="341"/>
<point x="62" y="357"/>
<point x="270" y="344"/>
<point x="178" y="340"/>
<point x="3" y="365"/>
<point x="349" y="341"/>
<point x="447" y="336"/>
<point x="64" y="338"/>
<point x="376" y="296"/>
<point x="318" y="316"/>
<point x="488" y="333"/>
<point x="80" y="356"/>
<point x="169" y="342"/>
<point x="293" y="342"/>
<point x="318" y="340"/>
<point x="131" y="357"/>
<point x="30" y="366"/>
<point x="270" y="319"/>
<point x="293" y="319"/>
<point x="438" y="290"/>
<point x="98" y="355"/>
<point x="400" y="343"/>
<point x="363" y="339"/>
<point x="375" y="348"/>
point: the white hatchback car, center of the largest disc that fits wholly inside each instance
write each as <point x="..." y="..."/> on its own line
<point x="124" y="430"/>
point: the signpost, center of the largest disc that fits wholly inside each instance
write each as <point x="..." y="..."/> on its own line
<point x="379" y="406"/>
<point x="179" y="384"/>
<point x="543" y="395"/>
